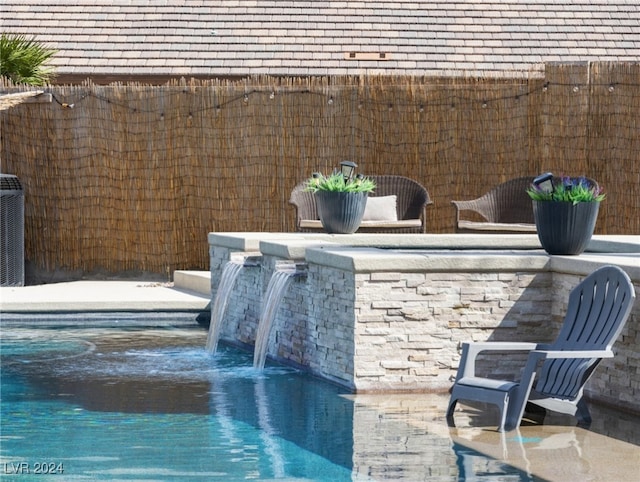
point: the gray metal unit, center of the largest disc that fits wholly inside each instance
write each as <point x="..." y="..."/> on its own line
<point x="11" y="231"/>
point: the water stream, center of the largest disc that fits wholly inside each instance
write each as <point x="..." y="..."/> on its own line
<point x="228" y="278"/>
<point x="275" y="291"/>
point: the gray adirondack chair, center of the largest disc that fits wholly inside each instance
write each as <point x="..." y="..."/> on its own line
<point x="597" y="310"/>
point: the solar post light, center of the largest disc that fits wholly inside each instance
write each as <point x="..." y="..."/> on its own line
<point x="347" y="168"/>
<point x="544" y="182"/>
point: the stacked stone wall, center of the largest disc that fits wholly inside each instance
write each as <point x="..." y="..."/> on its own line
<point x="402" y="331"/>
<point x="331" y="312"/>
<point x="411" y="325"/>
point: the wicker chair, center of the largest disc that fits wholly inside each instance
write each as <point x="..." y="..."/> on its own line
<point x="412" y="199"/>
<point x="506" y="208"/>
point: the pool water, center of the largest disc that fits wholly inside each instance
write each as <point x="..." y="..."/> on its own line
<point x="148" y="403"/>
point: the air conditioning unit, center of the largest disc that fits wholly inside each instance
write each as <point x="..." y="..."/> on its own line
<point x="11" y="231"/>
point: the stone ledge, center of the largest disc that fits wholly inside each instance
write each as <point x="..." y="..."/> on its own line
<point x="196" y="281"/>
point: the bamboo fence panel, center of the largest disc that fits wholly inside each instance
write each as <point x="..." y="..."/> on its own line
<point x="614" y="143"/>
<point x="133" y="177"/>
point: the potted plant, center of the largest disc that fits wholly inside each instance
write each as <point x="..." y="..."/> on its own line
<point x="340" y="198"/>
<point x="565" y="210"/>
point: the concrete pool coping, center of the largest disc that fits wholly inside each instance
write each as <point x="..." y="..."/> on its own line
<point x="250" y="241"/>
<point x="100" y="296"/>
<point x="457" y="252"/>
<point x="351" y="251"/>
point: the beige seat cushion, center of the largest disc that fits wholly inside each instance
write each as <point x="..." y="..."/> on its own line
<point x="485" y="226"/>
<point x="402" y="223"/>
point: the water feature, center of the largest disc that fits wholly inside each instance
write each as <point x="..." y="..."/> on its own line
<point x="387" y="312"/>
<point x="278" y="285"/>
<point x="228" y="278"/>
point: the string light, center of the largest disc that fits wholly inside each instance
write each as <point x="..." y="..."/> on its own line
<point x="271" y="93"/>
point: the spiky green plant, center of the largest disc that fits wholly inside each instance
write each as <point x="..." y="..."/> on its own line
<point x="569" y="189"/>
<point x="337" y="183"/>
<point x="23" y="60"/>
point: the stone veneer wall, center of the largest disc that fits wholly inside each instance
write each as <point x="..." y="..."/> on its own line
<point x="400" y="331"/>
<point x="411" y="325"/>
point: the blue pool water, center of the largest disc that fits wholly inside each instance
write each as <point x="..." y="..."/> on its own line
<point x="148" y="403"/>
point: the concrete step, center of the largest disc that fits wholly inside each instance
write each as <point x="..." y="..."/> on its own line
<point x="196" y="281"/>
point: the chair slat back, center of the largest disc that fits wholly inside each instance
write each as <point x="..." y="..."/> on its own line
<point x="597" y="310"/>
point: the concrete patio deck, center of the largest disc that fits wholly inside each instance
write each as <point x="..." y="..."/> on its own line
<point x="188" y="292"/>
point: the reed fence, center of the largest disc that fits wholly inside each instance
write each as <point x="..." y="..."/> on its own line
<point x="131" y="178"/>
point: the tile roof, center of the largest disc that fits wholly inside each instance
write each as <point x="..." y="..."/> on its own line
<point x="324" y="37"/>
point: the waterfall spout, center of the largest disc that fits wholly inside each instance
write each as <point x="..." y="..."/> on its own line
<point x="228" y="278"/>
<point x="275" y="292"/>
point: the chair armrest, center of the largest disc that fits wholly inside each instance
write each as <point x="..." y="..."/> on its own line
<point x="304" y="204"/>
<point x="503" y="345"/>
<point x="554" y="354"/>
<point x="470" y="352"/>
<point x="479" y="206"/>
<point x="465" y="205"/>
<point x="461" y="206"/>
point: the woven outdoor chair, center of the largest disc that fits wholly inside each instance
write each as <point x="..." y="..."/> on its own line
<point x="411" y="202"/>
<point x="505" y="208"/>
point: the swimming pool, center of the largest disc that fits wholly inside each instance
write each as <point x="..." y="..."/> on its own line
<point x="128" y="402"/>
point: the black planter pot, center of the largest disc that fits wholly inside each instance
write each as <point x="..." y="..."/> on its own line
<point x="564" y="227"/>
<point x="341" y="212"/>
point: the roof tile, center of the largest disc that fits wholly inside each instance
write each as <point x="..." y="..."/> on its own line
<point x="310" y="37"/>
